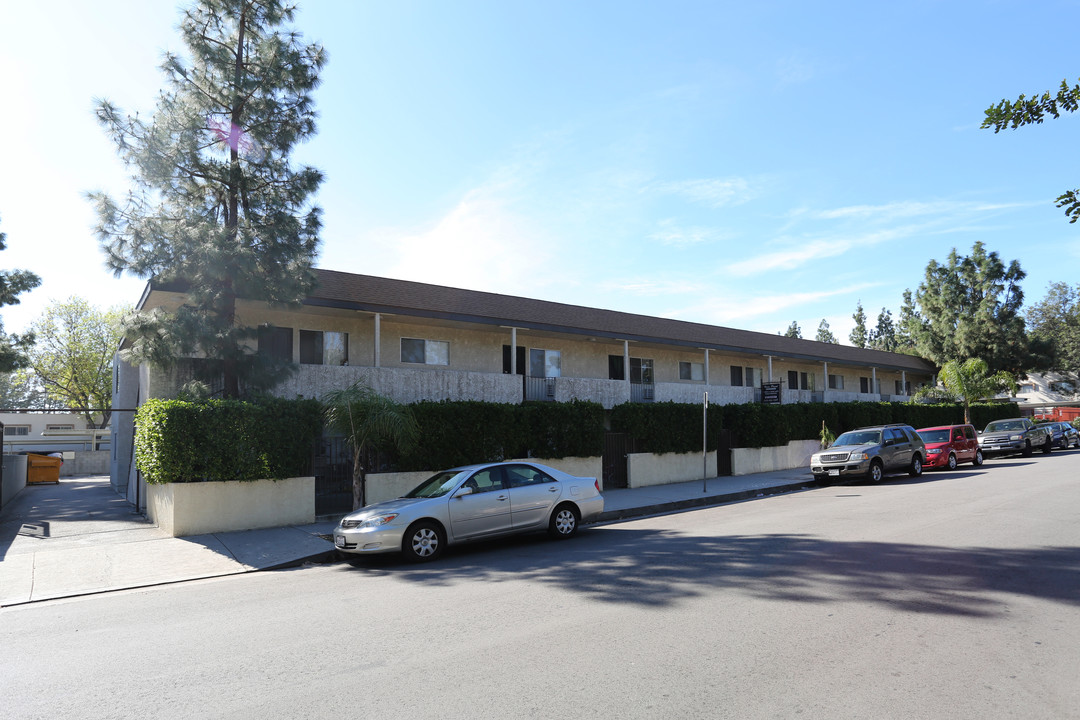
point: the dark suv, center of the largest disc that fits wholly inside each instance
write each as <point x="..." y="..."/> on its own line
<point x="871" y="452"/>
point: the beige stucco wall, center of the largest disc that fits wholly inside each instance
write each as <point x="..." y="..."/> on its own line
<point x="746" y="461"/>
<point x="645" y="469"/>
<point x="182" y="509"/>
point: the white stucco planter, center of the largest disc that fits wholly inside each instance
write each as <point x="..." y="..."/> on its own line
<point x="199" y="508"/>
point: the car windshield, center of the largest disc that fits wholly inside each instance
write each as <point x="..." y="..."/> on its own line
<point x="934" y="436"/>
<point x="859" y="437"/>
<point x="1004" y="425"/>
<point x="436" y="485"/>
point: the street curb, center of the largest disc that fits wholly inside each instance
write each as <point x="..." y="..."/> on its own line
<point x="691" y="503"/>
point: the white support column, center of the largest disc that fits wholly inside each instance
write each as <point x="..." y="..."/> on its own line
<point x="903" y="382"/>
<point x="873" y="381"/>
<point x="706" y="367"/>
<point x="770" y="367"/>
<point x="378" y="351"/>
<point x="626" y="362"/>
<point x="825" y="385"/>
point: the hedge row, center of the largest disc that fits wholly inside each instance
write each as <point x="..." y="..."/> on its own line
<point x="457" y="433"/>
<point x="182" y="441"/>
<point x="674" y="427"/>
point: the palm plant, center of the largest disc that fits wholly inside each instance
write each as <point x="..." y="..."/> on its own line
<point x="368" y="421"/>
<point x="971" y="381"/>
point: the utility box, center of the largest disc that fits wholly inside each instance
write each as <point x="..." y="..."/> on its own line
<point x="42" y="469"/>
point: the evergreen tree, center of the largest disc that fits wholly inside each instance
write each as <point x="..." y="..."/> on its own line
<point x="970" y="307"/>
<point x="793" y="330"/>
<point x="824" y="334"/>
<point x="908" y="326"/>
<point x="883" y="336"/>
<point x="1055" y="322"/>
<point x="12" y="284"/>
<point x="216" y="207"/>
<point x="858" y="335"/>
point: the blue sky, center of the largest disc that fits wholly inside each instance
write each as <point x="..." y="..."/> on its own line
<point x="740" y="164"/>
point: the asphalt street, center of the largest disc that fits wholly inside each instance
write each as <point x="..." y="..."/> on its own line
<point x="955" y="595"/>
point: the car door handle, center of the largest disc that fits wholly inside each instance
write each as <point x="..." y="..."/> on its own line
<point x="502" y="497"/>
<point x="553" y="489"/>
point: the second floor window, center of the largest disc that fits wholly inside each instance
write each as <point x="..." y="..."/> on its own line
<point x="836" y="382"/>
<point x="324" y="348"/>
<point x="641" y="371"/>
<point x="691" y="371"/>
<point x="276" y="342"/>
<point x="16" y="430"/>
<point x="545" y="363"/>
<point x="425" y="352"/>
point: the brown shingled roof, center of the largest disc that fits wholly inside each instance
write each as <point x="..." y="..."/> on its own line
<point x="378" y="294"/>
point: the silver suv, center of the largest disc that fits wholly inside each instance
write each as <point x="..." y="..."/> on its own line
<point x="871" y="452"/>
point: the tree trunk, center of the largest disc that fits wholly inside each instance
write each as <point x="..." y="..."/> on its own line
<point x="357" y="481"/>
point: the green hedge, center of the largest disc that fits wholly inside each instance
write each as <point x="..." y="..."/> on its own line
<point x="676" y="427"/>
<point x="182" y="441"/>
<point x="457" y="433"/>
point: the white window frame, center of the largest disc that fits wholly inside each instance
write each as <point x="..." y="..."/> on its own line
<point x="26" y="428"/>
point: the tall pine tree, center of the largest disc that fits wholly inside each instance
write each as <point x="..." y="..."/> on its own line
<point x="12" y="284"/>
<point x="216" y="206"/>
<point x="970" y="308"/>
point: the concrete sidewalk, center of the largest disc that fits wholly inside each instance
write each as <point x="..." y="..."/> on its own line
<point x="81" y="538"/>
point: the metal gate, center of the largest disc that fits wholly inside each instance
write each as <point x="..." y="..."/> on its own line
<point x="723" y="452"/>
<point x="332" y="466"/>
<point x="616" y="447"/>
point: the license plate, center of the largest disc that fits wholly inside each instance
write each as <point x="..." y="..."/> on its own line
<point x="339" y="541"/>
<point x="834" y="473"/>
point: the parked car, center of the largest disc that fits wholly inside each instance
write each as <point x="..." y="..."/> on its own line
<point x="871" y="452"/>
<point x="1015" y="435"/>
<point x="1065" y="435"/>
<point x="949" y="445"/>
<point x="472" y="503"/>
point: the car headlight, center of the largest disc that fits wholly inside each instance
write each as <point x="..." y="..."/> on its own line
<point x="368" y="523"/>
<point x="935" y="451"/>
<point x="377" y="521"/>
<point x="857" y="456"/>
<point x="1016" y="437"/>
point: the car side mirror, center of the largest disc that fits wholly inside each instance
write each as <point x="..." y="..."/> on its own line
<point x="462" y="492"/>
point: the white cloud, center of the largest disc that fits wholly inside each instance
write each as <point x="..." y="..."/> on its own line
<point x="712" y="192"/>
<point x="480" y="244"/>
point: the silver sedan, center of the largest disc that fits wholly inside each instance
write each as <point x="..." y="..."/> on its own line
<point x="471" y="503"/>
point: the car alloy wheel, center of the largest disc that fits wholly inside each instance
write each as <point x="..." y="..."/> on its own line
<point x="875" y="474"/>
<point x="564" y="522"/>
<point x="952" y="461"/>
<point x="916" y="466"/>
<point x="978" y="458"/>
<point x="423" y="542"/>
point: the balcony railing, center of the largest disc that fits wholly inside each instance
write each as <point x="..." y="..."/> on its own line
<point x="642" y="392"/>
<point x="540" y="388"/>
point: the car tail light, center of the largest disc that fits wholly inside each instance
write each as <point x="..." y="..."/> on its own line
<point x="596" y="483"/>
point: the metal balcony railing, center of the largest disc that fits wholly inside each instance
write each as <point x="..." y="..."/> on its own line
<point x="540" y="388"/>
<point x="642" y="392"/>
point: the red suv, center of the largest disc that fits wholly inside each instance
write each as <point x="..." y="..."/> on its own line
<point x="949" y="445"/>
